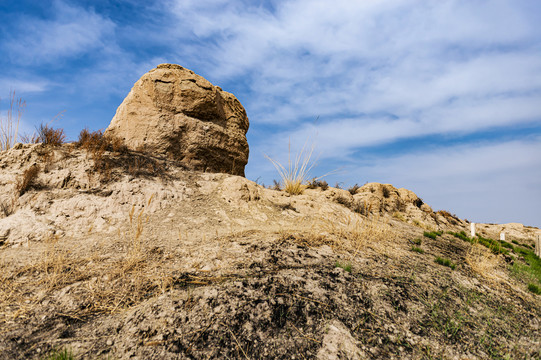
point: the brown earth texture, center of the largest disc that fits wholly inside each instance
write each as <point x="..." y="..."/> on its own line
<point x="122" y="255"/>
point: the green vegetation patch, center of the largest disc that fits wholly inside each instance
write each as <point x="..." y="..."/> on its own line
<point x="445" y="262"/>
<point x="417" y="249"/>
<point x="346" y="266"/>
<point x="64" y="354"/>
<point x="432" y="234"/>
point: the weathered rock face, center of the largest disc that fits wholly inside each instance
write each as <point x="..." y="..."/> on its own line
<point x="175" y="112"/>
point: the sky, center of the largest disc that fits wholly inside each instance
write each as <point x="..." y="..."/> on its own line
<point x="439" y="97"/>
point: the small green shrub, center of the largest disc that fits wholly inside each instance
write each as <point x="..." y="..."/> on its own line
<point x="515" y="242"/>
<point x="346" y="266"/>
<point x="534" y="288"/>
<point x="417" y="241"/>
<point x="417" y="249"/>
<point x="432" y="234"/>
<point x="445" y="262"/>
<point x="505" y="244"/>
<point x="64" y="354"/>
<point x="461" y="235"/>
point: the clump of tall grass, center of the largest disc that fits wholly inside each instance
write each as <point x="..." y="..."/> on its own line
<point x="295" y="176"/>
<point x="9" y="126"/>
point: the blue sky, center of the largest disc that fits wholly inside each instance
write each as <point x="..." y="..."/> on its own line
<point x="440" y="97"/>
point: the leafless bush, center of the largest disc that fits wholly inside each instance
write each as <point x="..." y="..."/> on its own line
<point x="27" y="179"/>
<point x="353" y="190"/>
<point x="49" y="136"/>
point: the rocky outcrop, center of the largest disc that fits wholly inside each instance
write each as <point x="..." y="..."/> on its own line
<point x="174" y="112"/>
<point x="386" y="198"/>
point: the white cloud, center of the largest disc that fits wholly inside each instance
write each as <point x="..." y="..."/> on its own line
<point x="72" y="32"/>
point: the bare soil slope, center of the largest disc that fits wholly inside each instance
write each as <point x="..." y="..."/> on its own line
<point x="124" y="255"/>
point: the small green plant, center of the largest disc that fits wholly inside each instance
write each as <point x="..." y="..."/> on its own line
<point x="417" y="249"/>
<point x="430" y="234"/>
<point x="296" y="175"/>
<point x="515" y="242"/>
<point x="445" y="262"/>
<point x="64" y="354"/>
<point x="534" y="288"/>
<point x="417" y="241"/>
<point x="461" y="235"/>
<point x="346" y="266"/>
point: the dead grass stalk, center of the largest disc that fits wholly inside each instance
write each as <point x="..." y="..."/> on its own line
<point x="9" y="126"/>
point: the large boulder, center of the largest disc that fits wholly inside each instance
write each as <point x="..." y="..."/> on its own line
<point x="174" y="112"/>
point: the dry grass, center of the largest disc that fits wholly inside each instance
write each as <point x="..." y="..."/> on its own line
<point x="9" y="126"/>
<point x="350" y="235"/>
<point x="27" y="179"/>
<point x="295" y="177"/>
<point x="483" y="261"/>
<point x="101" y="281"/>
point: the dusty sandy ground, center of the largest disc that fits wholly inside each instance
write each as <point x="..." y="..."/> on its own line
<point x="141" y="258"/>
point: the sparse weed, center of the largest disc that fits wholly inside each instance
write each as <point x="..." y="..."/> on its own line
<point x="27" y="179"/>
<point x="386" y="192"/>
<point x="64" y="354"/>
<point x="445" y="262"/>
<point x="346" y="266"/>
<point x="417" y="241"/>
<point x="9" y="126"/>
<point x="353" y="190"/>
<point x="315" y="183"/>
<point x="417" y="249"/>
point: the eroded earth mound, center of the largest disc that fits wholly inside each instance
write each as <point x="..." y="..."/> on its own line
<point x="125" y="255"/>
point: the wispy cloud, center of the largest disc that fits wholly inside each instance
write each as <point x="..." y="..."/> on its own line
<point x="71" y="32"/>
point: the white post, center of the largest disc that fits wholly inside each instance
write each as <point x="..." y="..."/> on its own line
<point x="538" y="246"/>
<point x="502" y="236"/>
<point x="472" y="230"/>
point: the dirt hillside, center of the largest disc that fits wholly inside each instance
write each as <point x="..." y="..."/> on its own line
<point x="117" y="254"/>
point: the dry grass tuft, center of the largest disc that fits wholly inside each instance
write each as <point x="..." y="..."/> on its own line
<point x="9" y="126"/>
<point x="296" y="175"/>
<point x="483" y="261"/>
<point x="27" y="179"/>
